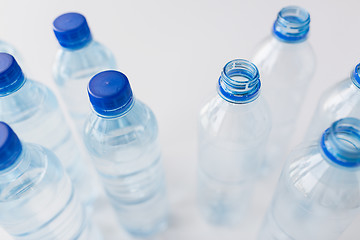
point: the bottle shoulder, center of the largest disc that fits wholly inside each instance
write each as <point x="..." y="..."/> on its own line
<point x="32" y="99"/>
<point x="219" y="116"/>
<point x="35" y="168"/>
<point x="273" y="55"/>
<point x="84" y="62"/>
<point x="138" y="126"/>
<point x="320" y="181"/>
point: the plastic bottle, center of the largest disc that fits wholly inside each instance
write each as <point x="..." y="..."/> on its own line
<point x="79" y="58"/>
<point x="37" y="200"/>
<point x="318" y="193"/>
<point x="33" y="112"/>
<point x="233" y="131"/>
<point x="340" y="101"/>
<point x="286" y="63"/>
<point x="121" y="134"/>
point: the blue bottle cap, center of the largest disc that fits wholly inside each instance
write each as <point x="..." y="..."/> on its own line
<point x="11" y="76"/>
<point x="72" y="30"/>
<point x="292" y="24"/>
<point x="110" y="93"/>
<point x="239" y="82"/>
<point x="355" y="75"/>
<point x="340" y="143"/>
<point x="10" y="146"/>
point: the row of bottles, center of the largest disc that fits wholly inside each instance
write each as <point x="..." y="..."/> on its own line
<point x="121" y="135"/>
<point x="244" y="133"/>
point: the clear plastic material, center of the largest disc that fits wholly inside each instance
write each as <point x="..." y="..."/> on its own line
<point x="339" y="101"/>
<point x="318" y="193"/>
<point x="286" y="70"/>
<point x="232" y="139"/>
<point x="72" y="71"/>
<point x="127" y="156"/>
<point x="37" y="201"/>
<point x="33" y="112"/>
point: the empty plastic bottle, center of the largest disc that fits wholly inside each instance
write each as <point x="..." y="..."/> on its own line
<point x="340" y="101"/>
<point x="121" y="134"/>
<point x="33" y="112"/>
<point x="78" y="59"/>
<point x="286" y="63"/>
<point x="233" y="131"/>
<point x="37" y="200"/>
<point x="318" y="193"/>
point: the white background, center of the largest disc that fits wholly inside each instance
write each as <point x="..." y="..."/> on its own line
<point x="173" y="53"/>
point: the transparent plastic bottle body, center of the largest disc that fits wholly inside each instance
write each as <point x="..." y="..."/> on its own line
<point x="72" y="71"/>
<point x="315" y="197"/>
<point x="232" y="138"/>
<point x="127" y="156"/>
<point x="37" y="201"/>
<point x="33" y="112"/>
<point x="341" y="100"/>
<point x="286" y="70"/>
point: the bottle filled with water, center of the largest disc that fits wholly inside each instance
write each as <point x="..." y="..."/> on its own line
<point x="78" y="59"/>
<point x="121" y="134"/>
<point x="32" y="110"/>
<point x="37" y="200"/>
<point x="340" y="101"/>
<point x="318" y="194"/>
<point x="233" y="130"/>
<point x="286" y="63"/>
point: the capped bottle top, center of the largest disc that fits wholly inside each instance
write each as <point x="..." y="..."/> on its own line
<point x="355" y="75"/>
<point x="239" y="82"/>
<point x="292" y="24"/>
<point x="341" y="142"/>
<point x="72" y="30"/>
<point x="11" y="75"/>
<point x="110" y="93"/>
<point x="10" y="146"/>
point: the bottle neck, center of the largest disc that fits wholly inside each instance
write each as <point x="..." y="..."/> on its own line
<point x="22" y="102"/>
<point x="239" y="82"/>
<point x="292" y="25"/>
<point x="340" y="144"/>
<point x="117" y="113"/>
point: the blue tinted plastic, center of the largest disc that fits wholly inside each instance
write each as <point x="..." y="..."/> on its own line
<point x="292" y="24"/>
<point x="37" y="200"/>
<point x="239" y="82"/>
<point x="72" y="30"/>
<point x="34" y="114"/>
<point x="341" y="142"/>
<point x="11" y="76"/>
<point x="10" y="146"/>
<point x="110" y="93"/>
<point x="317" y="195"/>
<point x="127" y="155"/>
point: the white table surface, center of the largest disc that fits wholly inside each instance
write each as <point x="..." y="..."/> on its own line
<point x="173" y="53"/>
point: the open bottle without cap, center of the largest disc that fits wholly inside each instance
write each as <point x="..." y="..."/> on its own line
<point x="339" y="101"/>
<point x="233" y="129"/>
<point x="121" y="134"/>
<point x="77" y="61"/>
<point x="286" y="64"/>
<point x="318" y="194"/>
<point x="37" y="200"/>
<point x="33" y="112"/>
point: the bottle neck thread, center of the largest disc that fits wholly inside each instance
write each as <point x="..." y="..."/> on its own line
<point x="239" y="82"/>
<point x="341" y="142"/>
<point x="292" y="24"/>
